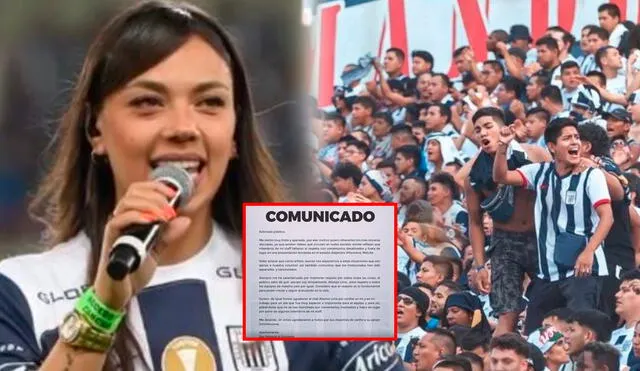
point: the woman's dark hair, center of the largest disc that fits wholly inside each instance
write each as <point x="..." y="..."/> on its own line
<point x="77" y="195"/>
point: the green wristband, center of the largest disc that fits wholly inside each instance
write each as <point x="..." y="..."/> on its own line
<point x="98" y="314"/>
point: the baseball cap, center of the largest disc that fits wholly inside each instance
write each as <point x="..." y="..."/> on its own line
<point x="618" y="114"/>
<point x="519" y="32"/>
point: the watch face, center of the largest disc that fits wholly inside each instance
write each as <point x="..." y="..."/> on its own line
<point x="70" y="328"/>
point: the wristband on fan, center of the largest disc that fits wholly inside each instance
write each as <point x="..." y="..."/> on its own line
<point x="97" y="313"/>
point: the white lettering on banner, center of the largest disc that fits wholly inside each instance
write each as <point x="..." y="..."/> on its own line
<point x="372" y="357"/>
<point x="348" y="29"/>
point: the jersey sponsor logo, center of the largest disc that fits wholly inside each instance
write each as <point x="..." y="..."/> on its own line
<point x="52" y="297"/>
<point x="373" y="356"/>
<point x="229" y="272"/>
<point x="251" y="355"/>
<point x="188" y="353"/>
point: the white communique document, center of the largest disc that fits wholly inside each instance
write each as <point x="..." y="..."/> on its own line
<point x="319" y="271"/>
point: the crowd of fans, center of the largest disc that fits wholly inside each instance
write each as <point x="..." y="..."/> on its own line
<point x="519" y="225"/>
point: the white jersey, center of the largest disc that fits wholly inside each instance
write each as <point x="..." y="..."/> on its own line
<point x="404" y="347"/>
<point x="189" y="315"/>
<point x="622" y="339"/>
<point x="565" y="205"/>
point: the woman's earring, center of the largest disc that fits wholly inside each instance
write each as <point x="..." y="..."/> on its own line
<point x="234" y="151"/>
<point x="98" y="159"/>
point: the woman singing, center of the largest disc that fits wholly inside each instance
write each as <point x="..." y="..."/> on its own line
<point x="162" y="84"/>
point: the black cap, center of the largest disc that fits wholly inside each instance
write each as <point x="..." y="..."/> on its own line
<point x="618" y="114"/>
<point x="421" y="299"/>
<point x="519" y="32"/>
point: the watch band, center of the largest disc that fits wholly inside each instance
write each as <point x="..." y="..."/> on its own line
<point x="77" y="332"/>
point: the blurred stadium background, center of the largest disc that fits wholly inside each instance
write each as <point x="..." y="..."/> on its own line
<point x="42" y="45"/>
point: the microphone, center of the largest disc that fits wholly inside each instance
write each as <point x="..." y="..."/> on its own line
<point x="131" y="248"/>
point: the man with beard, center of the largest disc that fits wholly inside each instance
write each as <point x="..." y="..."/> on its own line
<point x="572" y="216"/>
<point x="440" y="295"/>
<point x="411" y="189"/>
<point x="513" y="244"/>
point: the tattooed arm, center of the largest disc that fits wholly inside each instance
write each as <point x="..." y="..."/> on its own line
<point x="65" y="358"/>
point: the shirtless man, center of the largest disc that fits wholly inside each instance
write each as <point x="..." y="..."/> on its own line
<point x="513" y="244"/>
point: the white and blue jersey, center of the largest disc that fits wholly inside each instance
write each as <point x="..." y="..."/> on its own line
<point x="622" y="339"/>
<point x="457" y="214"/>
<point x="565" y="205"/>
<point x="193" y="306"/>
<point x="469" y="149"/>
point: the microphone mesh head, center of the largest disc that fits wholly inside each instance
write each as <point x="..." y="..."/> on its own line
<point x="178" y="175"/>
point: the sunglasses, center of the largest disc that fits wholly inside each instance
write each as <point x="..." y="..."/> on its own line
<point x="406" y="300"/>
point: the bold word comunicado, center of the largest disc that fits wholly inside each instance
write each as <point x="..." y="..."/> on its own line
<point x="320" y="216"/>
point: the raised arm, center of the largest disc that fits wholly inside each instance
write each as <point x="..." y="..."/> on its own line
<point x="501" y="172"/>
<point x="535" y="153"/>
<point x="463" y="174"/>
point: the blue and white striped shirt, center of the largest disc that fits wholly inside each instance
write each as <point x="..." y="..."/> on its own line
<point x="565" y="204"/>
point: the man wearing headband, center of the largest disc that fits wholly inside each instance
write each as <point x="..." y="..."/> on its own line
<point x="550" y="341"/>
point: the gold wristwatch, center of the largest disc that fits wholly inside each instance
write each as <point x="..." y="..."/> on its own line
<point x="78" y="333"/>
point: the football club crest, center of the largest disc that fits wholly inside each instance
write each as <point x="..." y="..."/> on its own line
<point x="571" y="197"/>
<point x="251" y="355"/>
<point x="187" y="353"/>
